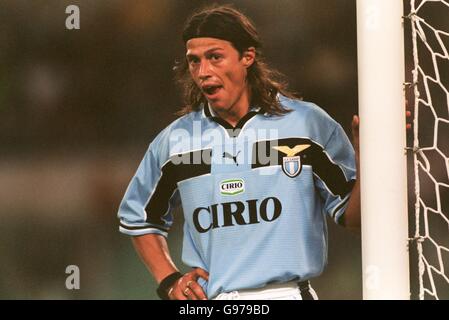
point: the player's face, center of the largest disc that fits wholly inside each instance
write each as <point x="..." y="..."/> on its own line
<point x="220" y="72"/>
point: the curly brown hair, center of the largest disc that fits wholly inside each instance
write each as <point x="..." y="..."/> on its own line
<point x="227" y="23"/>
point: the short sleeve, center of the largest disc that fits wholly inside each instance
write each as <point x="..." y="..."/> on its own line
<point x="150" y="198"/>
<point x="335" y="174"/>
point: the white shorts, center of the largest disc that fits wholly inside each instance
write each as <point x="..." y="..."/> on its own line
<point x="277" y="291"/>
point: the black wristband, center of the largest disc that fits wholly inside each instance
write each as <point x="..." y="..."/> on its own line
<point x="166" y="283"/>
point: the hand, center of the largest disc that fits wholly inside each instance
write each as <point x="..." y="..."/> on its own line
<point x="356" y="123"/>
<point x="187" y="287"/>
<point x="355" y="133"/>
<point x="356" y="140"/>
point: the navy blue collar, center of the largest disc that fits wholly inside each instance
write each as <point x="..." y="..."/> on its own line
<point x="233" y="131"/>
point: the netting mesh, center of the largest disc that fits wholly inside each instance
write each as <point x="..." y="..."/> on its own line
<point x="430" y="34"/>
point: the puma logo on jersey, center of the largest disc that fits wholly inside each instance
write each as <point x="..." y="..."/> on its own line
<point x="291" y="163"/>
<point x="230" y="156"/>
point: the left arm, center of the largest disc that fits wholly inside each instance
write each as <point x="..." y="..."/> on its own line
<point x="351" y="218"/>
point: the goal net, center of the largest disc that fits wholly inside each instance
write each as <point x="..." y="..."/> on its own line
<point x="430" y="37"/>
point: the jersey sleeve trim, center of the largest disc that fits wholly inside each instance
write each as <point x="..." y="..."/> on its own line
<point x="340" y="209"/>
<point x="143" y="231"/>
<point x="134" y="227"/>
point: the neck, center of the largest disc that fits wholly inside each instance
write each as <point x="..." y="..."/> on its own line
<point x="237" y="111"/>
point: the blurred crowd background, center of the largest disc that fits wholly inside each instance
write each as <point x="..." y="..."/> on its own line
<point x="78" y="109"/>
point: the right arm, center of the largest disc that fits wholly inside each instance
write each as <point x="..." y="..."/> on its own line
<point x="153" y="250"/>
<point x="140" y="217"/>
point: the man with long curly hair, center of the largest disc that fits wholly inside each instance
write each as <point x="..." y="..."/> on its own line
<point x="256" y="171"/>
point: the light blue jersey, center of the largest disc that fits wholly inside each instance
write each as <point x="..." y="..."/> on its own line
<point x="254" y="198"/>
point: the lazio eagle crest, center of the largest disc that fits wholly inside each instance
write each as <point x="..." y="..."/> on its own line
<point x="291" y="163"/>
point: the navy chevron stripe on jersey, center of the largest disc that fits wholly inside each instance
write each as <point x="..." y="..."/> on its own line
<point x="178" y="168"/>
<point x="329" y="172"/>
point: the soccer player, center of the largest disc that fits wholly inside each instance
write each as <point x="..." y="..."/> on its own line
<point x="255" y="169"/>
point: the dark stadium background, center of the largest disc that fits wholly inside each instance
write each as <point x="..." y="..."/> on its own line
<point x="78" y="109"/>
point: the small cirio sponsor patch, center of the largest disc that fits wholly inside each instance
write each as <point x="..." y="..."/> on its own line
<point x="232" y="187"/>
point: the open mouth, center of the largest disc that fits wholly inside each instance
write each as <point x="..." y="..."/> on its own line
<point x="211" y="90"/>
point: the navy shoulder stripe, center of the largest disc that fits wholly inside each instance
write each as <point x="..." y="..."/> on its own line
<point x="178" y="168"/>
<point x="330" y="173"/>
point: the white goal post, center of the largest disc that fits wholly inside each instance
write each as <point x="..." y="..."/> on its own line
<point x="381" y="75"/>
